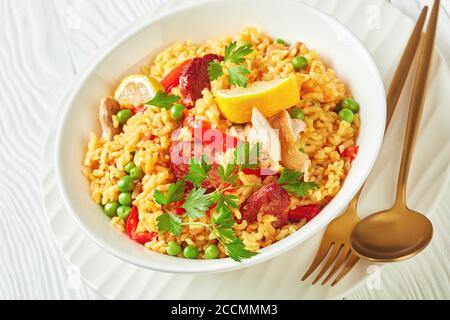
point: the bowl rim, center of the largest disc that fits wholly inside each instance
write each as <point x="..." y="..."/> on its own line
<point x="226" y="264"/>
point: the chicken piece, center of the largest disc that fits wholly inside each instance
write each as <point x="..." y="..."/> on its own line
<point x="262" y="132"/>
<point x="108" y="107"/>
<point x="291" y="157"/>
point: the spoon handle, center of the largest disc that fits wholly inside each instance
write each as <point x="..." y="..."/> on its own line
<point x="397" y="84"/>
<point x="403" y="68"/>
<point x="417" y="102"/>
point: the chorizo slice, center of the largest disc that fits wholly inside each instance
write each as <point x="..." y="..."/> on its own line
<point x="181" y="154"/>
<point x="271" y="199"/>
<point x="194" y="78"/>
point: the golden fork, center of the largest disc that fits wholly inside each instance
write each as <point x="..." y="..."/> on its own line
<point x="337" y="235"/>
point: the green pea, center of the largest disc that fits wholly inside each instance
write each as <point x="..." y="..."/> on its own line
<point x="126" y="184"/>
<point x="300" y="63"/>
<point x="349" y="104"/>
<point x="129" y="166"/>
<point x="176" y="112"/>
<point x="173" y="248"/>
<point x="280" y="41"/>
<point x="124" y="115"/>
<point x="190" y="252"/>
<point x="297" y="113"/>
<point x="125" y="199"/>
<point x="123" y="212"/>
<point x="110" y="209"/>
<point x="136" y="173"/>
<point x="212" y="252"/>
<point x="347" y="115"/>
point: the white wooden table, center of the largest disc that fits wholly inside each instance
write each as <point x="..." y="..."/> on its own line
<point x="43" y="44"/>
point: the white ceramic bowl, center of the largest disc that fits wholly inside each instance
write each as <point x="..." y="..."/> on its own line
<point x="209" y="19"/>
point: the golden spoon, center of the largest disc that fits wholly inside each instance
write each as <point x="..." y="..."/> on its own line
<point x="400" y="233"/>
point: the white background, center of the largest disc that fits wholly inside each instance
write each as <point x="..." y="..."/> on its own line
<point x="43" y="44"/>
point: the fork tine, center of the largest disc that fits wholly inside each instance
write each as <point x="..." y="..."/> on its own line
<point x="321" y="253"/>
<point x="340" y="261"/>
<point x="334" y="253"/>
<point x="349" y="266"/>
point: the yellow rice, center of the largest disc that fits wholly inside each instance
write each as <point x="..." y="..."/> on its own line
<point x="148" y="136"/>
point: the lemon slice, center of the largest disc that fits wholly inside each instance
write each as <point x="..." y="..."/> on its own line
<point x="136" y="90"/>
<point x="269" y="97"/>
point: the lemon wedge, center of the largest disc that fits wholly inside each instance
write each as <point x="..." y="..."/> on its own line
<point x="137" y="89"/>
<point x="269" y="97"/>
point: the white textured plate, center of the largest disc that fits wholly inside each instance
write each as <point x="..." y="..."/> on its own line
<point x="384" y="30"/>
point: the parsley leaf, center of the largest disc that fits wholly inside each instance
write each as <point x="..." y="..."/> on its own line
<point x="231" y="200"/>
<point x="229" y="50"/>
<point x="168" y="222"/>
<point x="236" y="55"/>
<point x="223" y="230"/>
<point x="291" y="182"/>
<point x="228" y="173"/>
<point x="225" y="199"/>
<point x="300" y="189"/>
<point x="237" y="76"/>
<point x="163" y="100"/>
<point x="198" y="171"/>
<point x="226" y="234"/>
<point x="197" y="203"/>
<point x="215" y="70"/>
<point x="223" y="217"/>
<point x="160" y="198"/>
<point x="174" y="194"/>
<point x="236" y="250"/>
<point x="289" y="176"/>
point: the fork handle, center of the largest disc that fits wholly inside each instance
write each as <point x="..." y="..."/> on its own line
<point x="354" y="203"/>
<point x="417" y="103"/>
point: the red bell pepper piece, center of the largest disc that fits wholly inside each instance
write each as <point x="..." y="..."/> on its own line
<point x="179" y="211"/>
<point x="173" y="78"/>
<point x="144" y="237"/>
<point x="132" y="224"/>
<point x="139" y="109"/>
<point x="255" y="172"/>
<point x="206" y="135"/>
<point x="177" y="208"/>
<point x="196" y="124"/>
<point x="304" y="212"/>
<point x="350" y="152"/>
<point x="261" y="173"/>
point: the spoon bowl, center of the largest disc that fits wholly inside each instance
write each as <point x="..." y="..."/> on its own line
<point x="392" y="235"/>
